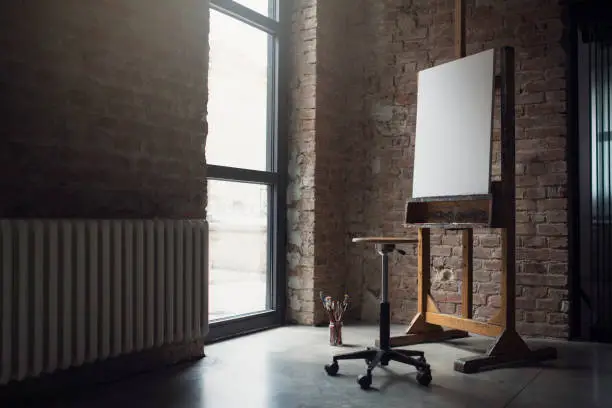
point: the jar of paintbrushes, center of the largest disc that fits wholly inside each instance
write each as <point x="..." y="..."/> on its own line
<point x="335" y="311"/>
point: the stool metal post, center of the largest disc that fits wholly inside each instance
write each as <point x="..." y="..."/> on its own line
<point x="384" y="252"/>
<point x="385" y="312"/>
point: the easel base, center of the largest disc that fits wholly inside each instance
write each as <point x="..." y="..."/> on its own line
<point x="471" y="365"/>
<point x="426" y="337"/>
<point x="508" y="349"/>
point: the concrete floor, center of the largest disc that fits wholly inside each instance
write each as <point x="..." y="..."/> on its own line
<point x="284" y="368"/>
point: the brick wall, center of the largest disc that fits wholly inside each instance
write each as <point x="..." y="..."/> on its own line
<point x="102" y="108"/>
<point x="301" y="189"/>
<point x="383" y="46"/>
<point x="319" y="152"/>
<point x="332" y="194"/>
<point x="417" y="35"/>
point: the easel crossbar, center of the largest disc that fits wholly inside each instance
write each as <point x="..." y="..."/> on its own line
<point x="460" y="323"/>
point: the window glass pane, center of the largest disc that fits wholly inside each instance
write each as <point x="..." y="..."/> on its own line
<point x="260" y="6"/>
<point x="238" y="94"/>
<point x="238" y="248"/>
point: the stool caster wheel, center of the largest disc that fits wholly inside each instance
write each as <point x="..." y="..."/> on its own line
<point x="384" y="362"/>
<point x="365" y="381"/>
<point x="423" y="377"/>
<point x="332" y="369"/>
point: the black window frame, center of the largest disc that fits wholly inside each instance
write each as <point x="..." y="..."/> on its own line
<point x="275" y="175"/>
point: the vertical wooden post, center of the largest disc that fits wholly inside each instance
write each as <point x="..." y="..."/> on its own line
<point x="508" y="186"/>
<point x="467" y="238"/>
<point x="467" y="242"/>
<point x="424" y="269"/>
<point x="460" y="28"/>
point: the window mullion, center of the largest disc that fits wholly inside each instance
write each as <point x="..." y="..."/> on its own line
<point x="246" y="15"/>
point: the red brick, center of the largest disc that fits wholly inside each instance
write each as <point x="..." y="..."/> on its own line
<point x="541" y="254"/>
<point x="557" y="269"/>
<point x="496" y="253"/>
<point x="487" y="288"/>
<point x="495" y="301"/>
<point x="482" y="253"/>
<point x="559" y="72"/>
<point x="556" y="96"/>
<point x="523" y="216"/>
<point x="535" y="317"/>
<point x="525" y="228"/>
<point x="556" y="216"/>
<point x="526" y="181"/>
<point x="479" y="299"/>
<point x="551" y="204"/>
<point x="492" y="265"/>
<point x="447" y="308"/>
<point x="556" y="192"/>
<point x="559" y="243"/>
<point x="439" y="250"/>
<point x="439" y="262"/>
<point x="552" y="180"/>
<point x="551" y="155"/>
<point x="556" y="280"/>
<point x="525" y="205"/>
<point x="531" y="279"/>
<point x="486" y="312"/>
<point x="489" y="241"/>
<point x="551" y="84"/>
<point x="558" y="294"/>
<point x="482" y="276"/>
<point x="552" y="229"/>
<point x="558" y="318"/>
<point x="522" y="303"/>
<point x="557" y="167"/>
<point x="532" y="242"/>
<point x="536" y="168"/>
<point x="532" y="193"/>
<point x="531" y="292"/>
<point x="453" y="297"/>
<point x="533" y="268"/>
<point x="455" y="262"/>
<point x="530" y="98"/>
<point x="449" y="286"/>
<point x="551" y="305"/>
<point x="496" y="277"/>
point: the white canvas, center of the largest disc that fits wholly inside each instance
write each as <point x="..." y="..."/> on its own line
<point x="454" y="126"/>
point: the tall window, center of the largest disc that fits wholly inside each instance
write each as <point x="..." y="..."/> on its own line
<point x="245" y="177"/>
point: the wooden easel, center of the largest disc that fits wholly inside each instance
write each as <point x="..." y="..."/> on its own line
<point x="464" y="213"/>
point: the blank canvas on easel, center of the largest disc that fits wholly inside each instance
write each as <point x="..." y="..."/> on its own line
<point x="454" y="126"/>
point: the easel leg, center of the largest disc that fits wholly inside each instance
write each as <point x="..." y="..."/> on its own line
<point x="509" y="348"/>
<point x="419" y="331"/>
<point x="467" y="243"/>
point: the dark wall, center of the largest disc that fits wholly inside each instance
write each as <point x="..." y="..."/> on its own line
<point x="102" y="108"/>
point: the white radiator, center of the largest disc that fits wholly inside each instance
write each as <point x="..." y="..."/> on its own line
<point x="77" y="291"/>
